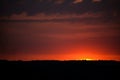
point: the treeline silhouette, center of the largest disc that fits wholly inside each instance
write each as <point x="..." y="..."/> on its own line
<point x="59" y="70"/>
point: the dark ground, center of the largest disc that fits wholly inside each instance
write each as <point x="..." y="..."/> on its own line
<point x="59" y="70"/>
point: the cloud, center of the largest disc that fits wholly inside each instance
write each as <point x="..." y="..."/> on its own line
<point x="24" y="16"/>
<point x="33" y="7"/>
<point x="59" y="1"/>
<point x="97" y="0"/>
<point x="77" y="1"/>
<point x="17" y="37"/>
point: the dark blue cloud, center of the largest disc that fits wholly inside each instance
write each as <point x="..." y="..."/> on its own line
<point x="32" y="7"/>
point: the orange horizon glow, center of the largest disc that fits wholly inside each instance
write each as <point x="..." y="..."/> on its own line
<point x="63" y="57"/>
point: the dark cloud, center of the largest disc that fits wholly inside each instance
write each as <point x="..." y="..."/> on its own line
<point x="32" y="7"/>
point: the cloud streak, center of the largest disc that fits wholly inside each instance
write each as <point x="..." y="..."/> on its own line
<point x="24" y="16"/>
<point x="34" y="7"/>
<point x="50" y="36"/>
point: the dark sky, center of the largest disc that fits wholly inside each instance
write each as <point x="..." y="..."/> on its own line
<point x="59" y="29"/>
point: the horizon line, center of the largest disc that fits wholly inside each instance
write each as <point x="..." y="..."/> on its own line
<point x="59" y="60"/>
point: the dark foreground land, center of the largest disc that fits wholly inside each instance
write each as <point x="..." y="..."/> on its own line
<point x="59" y="70"/>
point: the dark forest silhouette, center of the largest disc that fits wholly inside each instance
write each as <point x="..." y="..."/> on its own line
<point x="60" y="70"/>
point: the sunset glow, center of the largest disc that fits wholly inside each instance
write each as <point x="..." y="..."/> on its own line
<point x="62" y="57"/>
<point x="87" y="59"/>
<point x="60" y="30"/>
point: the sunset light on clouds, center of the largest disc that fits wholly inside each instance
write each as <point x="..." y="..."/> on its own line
<point x="60" y="30"/>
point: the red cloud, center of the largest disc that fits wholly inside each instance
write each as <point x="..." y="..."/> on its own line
<point x="41" y="16"/>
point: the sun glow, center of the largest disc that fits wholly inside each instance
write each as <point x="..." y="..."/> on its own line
<point x="88" y="59"/>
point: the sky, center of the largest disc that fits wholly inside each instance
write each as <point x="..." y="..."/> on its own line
<point x="59" y="29"/>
